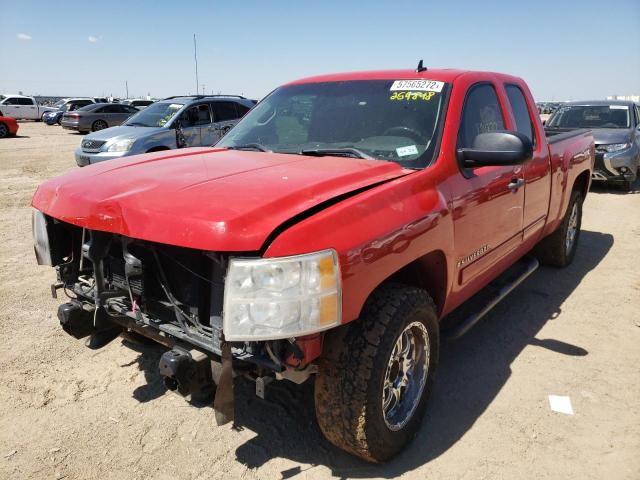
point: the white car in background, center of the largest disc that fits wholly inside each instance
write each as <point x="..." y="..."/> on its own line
<point x="19" y="106"/>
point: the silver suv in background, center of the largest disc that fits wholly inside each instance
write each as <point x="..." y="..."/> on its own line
<point x="615" y="125"/>
<point x="175" y="122"/>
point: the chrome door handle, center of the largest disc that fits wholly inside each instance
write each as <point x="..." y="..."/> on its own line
<point x="515" y="184"/>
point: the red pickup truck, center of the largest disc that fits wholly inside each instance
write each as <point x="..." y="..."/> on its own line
<point x="343" y="227"/>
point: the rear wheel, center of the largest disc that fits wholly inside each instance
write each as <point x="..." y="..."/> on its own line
<point x="372" y="387"/>
<point x="99" y="125"/>
<point x="559" y="248"/>
<point x="626" y="186"/>
<point x="4" y="131"/>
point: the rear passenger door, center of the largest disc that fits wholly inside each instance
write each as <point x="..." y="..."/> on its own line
<point x="487" y="201"/>
<point x="28" y="108"/>
<point x="537" y="171"/>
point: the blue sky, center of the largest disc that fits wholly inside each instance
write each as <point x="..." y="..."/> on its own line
<point x="564" y="50"/>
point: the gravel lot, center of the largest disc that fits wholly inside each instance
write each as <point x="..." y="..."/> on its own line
<point x="69" y="412"/>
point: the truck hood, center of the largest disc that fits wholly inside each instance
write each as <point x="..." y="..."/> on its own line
<point x="122" y="131"/>
<point x="611" y="135"/>
<point x="204" y="198"/>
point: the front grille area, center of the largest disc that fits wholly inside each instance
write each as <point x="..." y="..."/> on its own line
<point x="92" y="144"/>
<point x="176" y="290"/>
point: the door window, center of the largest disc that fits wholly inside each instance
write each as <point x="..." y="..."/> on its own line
<point x="481" y="114"/>
<point x="25" y="101"/>
<point x="112" y="109"/>
<point x="12" y="101"/>
<point x="224" y="111"/>
<point x="198" y="115"/>
<point x="524" y="124"/>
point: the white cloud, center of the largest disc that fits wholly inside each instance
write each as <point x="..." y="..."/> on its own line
<point x="24" y="36"/>
<point x="92" y="39"/>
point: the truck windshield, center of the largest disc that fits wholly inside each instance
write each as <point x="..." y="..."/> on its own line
<point x="156" y="115"/>
<point x="372" y="118"/>
<point x="590" y="116"/>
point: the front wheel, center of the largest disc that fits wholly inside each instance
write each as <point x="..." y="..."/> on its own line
<point x="4" y="131"/>
<point x="372" y="386"/>
<point x="559" y="248"/>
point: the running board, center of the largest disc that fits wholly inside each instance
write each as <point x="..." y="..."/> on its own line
<point x="471" y="312"/>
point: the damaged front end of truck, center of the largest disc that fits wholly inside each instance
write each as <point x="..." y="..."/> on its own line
<point x="220" y="314"/>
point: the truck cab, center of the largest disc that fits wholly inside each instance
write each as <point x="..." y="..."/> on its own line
<point x="21" y="107"/>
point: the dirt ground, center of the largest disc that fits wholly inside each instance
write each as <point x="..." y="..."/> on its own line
<point x="69" y="412"/>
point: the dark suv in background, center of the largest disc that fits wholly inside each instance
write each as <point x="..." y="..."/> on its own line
<point x="616" y="129"/>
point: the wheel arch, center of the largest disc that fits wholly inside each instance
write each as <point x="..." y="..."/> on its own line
<point x="582" y="183"/>
<point x="428" y="272"/>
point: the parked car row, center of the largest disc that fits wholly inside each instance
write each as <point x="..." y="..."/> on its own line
<point x="547" y="107"/>
<point x="65" y="105"/>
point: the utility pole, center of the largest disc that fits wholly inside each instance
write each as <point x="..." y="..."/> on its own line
<point x="126" y="86"/>
<point x="195" y="57"/>
<point x="203" y="85"/>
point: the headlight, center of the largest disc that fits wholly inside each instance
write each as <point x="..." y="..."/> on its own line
<point x="271" y="298"/>
<point x="120" y="145"/>
<point x="616" y="147"/>
<point x="41" y="238"/>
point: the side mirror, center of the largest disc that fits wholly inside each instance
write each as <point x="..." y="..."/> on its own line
<point x="496" y="148"/>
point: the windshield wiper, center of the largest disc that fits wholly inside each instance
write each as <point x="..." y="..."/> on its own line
<point x="337" y="152"/>
<point x="250" y="146"/>
<point x="136" y="124"/>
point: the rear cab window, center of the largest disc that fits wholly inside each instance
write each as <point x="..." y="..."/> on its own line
<point x="520" y="110"/>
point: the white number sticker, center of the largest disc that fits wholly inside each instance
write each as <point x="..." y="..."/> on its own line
<point x="417" y="85"/>
<point x="618" y="107"/>
<point x="404" y="151"/>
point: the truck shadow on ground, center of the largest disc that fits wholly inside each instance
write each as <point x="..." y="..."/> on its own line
<point x="471" y="373"/>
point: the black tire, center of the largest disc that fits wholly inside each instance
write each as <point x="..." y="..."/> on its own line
<point x="626" y="186"/>
<point x="553" y="250"/>
<point x="350" y="380"/>
<point x="4" y="130"/>
<point x="99" y="125"/>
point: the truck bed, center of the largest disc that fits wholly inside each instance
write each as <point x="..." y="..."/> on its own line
<point x="558" y="134"/>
